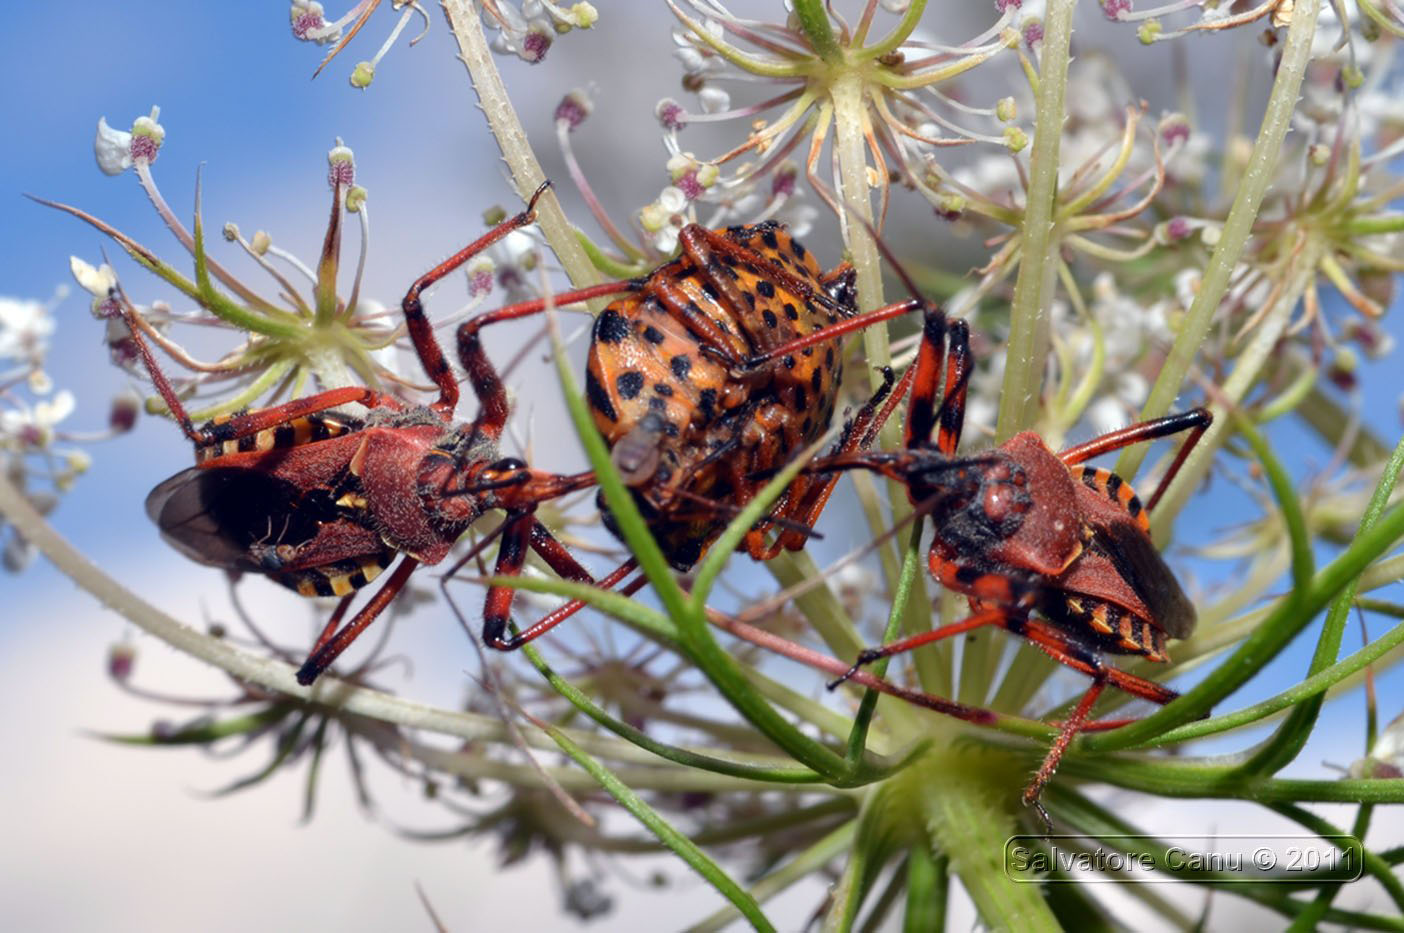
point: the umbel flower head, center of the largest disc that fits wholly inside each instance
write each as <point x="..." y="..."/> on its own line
<point x="311" y="336"/>
<point x="883" y="104"/>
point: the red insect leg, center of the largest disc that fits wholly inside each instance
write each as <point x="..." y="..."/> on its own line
<point x="332" y="647"/>
<point x="422" y="333"/>
<point x="1196" y="421"/>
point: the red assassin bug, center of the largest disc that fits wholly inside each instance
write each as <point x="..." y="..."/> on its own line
<point x="1020" y="530"/>
<point x="321" y="502"/>
<point x="707" y="375"/>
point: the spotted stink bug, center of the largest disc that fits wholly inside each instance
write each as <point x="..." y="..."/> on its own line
<point x="322" y="502"/>
<point x="708" y="374"/>
<point x="1042" y="546"/>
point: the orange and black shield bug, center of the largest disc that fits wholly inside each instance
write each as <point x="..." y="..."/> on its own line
<point x="323" y="502"/>
<point x="710" y="373"/>
<point x="1042" y="546"/>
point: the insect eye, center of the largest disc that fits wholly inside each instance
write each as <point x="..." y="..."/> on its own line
<point x="508" y="463"/>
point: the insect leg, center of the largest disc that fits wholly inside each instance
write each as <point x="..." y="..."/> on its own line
<point x="1196" y="421"/>
<point x="487" y="384"/>
<point x="421" y="333"/>
<point x="330" y="648"/>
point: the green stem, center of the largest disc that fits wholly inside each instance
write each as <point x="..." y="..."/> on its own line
<point x="507" y="129"/>
<point x="1287" y="742"/>
<point x="971" y="828"/>
<point x="1033" y="290"/>
<point x="710" y="871"/>
<point x="1233" y="238"/>
<point x="813" y="20"/>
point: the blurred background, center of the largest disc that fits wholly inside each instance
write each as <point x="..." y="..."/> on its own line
<point x="123" y="838"/>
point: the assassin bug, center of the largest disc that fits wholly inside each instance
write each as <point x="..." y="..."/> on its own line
<point x="1020" y="529"/>
<point x="708" y="374"/>
<point x="322" y="502"/>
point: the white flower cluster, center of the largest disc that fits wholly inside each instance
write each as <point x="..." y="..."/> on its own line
<point x="36" y="455"/>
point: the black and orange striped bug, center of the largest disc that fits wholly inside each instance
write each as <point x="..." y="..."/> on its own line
<point x="322" y="502"/>
<point x="709" y="374"/>
<point x="1021" y="530"/>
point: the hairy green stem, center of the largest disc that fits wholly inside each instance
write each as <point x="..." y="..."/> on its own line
<point x="1027" y="346"/>
<point x="516" y="149"/>
<point x="970" y="828"/>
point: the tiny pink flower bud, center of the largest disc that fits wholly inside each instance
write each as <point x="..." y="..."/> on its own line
<point x="1004" y="6"/>
<point x="1177" y="228"/>
<point x="1174" y="129"/>
<point x="124" y="411"/>
<point x="1116" y="9"/>
<point x="307" y="20"/>
<point x="1033" y="33"/>
<point x="573" y="109"/>
<point x="671" y="114"/>
<point x="689" y="185"/>
<point x="536" y="44"/>
<point x="480" y="276"/>
<point x="147" y="136"/>
<point x="1344" y="369"/>
<point x="782" y="184"/>
<point x="341" y="164"/>
<point x="121" y="658"/>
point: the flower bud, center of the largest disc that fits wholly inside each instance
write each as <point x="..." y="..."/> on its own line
<point x="123" y="414"/>
<point x="670" y="114"/>
<point x="362" y="75"/>
<point x="341" y="162"/>
<point x="582" y="15"/>
<point x="121" y="658"/>
<point x="147" y="137"/>
<point x="573" y="109"/>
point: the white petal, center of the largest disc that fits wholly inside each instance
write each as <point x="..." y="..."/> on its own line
<point x="713" y="99"/>
<point x="96" y="281"/>
<point x="113" y="148"/>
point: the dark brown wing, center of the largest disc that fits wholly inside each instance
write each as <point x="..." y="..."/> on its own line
<point x="1141" y="566"/>
<point x="213" y="516"/>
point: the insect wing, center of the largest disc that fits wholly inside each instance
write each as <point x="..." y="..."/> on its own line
<point x="213" y="516"/>
<point x="1141" y="566"/>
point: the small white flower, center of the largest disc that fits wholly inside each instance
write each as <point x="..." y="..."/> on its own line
<point x="34" y="426"/>
<point x="25" y="326"/>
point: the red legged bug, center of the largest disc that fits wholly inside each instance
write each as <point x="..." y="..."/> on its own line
<point x="322" y="502"/>
<point x="708" y="374"/>
<point x="1021" y="530"/>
